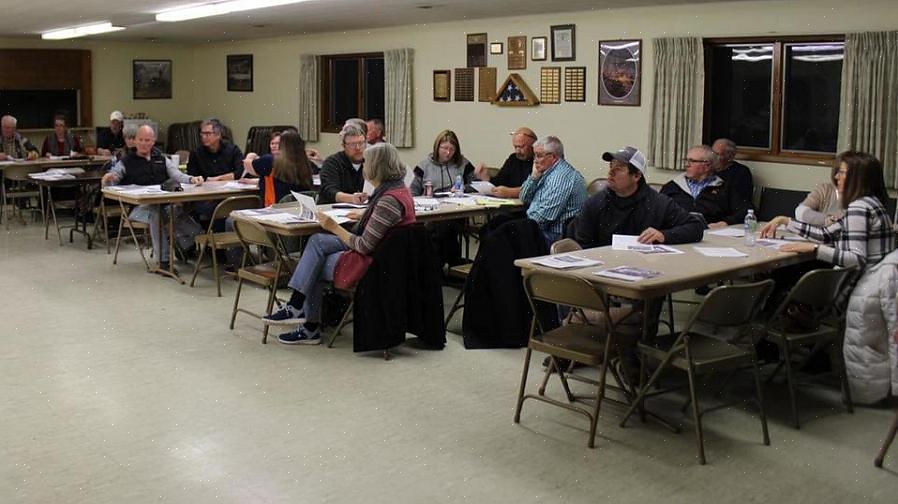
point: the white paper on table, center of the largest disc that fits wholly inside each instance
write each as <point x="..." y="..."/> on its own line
<point x="282" y="218"/>
<point x="55" y="158"/>
<point x="233" y="184"/>
<point x="771" y="243"/>
<point x="139" y="190"/>
<point x="349" y="205"/>
<point x="340" y="216"/>
<point x="719" y="252"/>
<point x="566" y="261"/>
<point x="623" y="242"/>
<point x="631" y="243"/>
<point x="462" y="200"/>
<point x="423" y="204"/>
<point x="628" y="273"/>
<point x="77" y="170"/>
<point x="307" y="206"/>
<point x="728" y="231"/>
<point x="483" y="187"/>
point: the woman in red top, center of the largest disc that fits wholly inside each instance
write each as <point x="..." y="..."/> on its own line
<point x="61" y="142"/>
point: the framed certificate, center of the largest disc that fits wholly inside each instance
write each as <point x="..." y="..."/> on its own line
<point x="442" y="85"/>
<point x="564" y="46"/>
<point x="538" y="48"/>
<point x="517" y="53"/>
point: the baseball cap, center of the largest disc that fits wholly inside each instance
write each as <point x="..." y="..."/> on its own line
<point x="116" y="116"/>
<point x="630" y="155"/>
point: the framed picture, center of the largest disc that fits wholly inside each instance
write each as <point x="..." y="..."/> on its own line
<point x="151" y="78"/>
<point x="442" y="85"/>
<point x="564" y="46"/>
<point x="497" y="48"/>
<point x="575" y="84"/>
<point x="240" y="72"/>
<point x="550" y="85"/>
<point x="464" y="84"/>
<point x="476" y="49"/>
<point x="620" y="72"/>
<point x="517" y="52"/>
<point x="538" y="48"/>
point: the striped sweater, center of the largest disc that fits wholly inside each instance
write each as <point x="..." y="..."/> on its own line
<point x="387" y="213"/>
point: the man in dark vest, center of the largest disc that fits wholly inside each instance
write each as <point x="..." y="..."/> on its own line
<point x="147" y="166"/>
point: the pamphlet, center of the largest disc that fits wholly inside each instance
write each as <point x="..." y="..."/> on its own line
<point x="719" y="252"/>
<point x="566" y="261"/>
<point x="308" y="209"/>
<point x="483" y="187"/>
<point x="628" y="273"/>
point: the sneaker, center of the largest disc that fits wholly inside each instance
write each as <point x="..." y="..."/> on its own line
<point x="301" y="336"/>
<point x="286" y="315"/>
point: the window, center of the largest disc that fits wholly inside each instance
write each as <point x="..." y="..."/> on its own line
<point x="352" y="85"/>
<point x="778" y="99"/>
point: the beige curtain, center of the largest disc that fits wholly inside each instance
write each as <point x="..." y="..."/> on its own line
<point x="868" y="115"/>
<point x="398" y="92"/>
<point x="308" y="98"/>
<point x="677" y="98"/>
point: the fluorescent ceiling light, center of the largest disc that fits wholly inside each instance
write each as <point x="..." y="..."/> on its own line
<point x="217" y="9"/>
<point x="80" y="31"/>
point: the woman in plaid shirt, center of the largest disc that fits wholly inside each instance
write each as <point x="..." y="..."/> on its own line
<point x="864" y="234"/>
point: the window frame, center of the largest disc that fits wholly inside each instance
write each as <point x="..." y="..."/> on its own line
<point x="325" y="62"/>
<point x="775" y="154"/>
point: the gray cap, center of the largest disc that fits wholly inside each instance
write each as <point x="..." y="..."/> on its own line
<point x="630" y="155"/>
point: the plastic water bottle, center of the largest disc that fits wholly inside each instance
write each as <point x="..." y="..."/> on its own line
<point x="751" y="228"/>
<point x="458" y="187"/>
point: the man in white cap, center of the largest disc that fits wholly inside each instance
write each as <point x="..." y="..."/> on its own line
<point x="111" y="139"/>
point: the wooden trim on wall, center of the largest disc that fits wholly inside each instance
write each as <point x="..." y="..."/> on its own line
<point x="50" y="69"/>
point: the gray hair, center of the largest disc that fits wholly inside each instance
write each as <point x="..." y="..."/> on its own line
<point x="729" y="147"/>
<point x="382" y="164"/>
<point x="552" y="145"/>
<point x="707" y="152"/>
<point x="215" y="123"/>
<point x="351" y="130"/>
<point x="9" y="119"/>
<point x="147" y="127"/>
<point x="130" y="131"/>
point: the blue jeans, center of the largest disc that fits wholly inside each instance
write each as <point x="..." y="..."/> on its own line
<point x="185" y="228"/>
<point x="316" y="266"/>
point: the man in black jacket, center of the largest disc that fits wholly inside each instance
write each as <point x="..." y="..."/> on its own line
<point x="341" y="175"/>
<point x="699" y="190"/>
<point x="734" y="173"/>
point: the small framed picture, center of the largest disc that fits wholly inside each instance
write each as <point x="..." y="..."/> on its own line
<point x="538" y="48"/>
<point x="496" y="48"/>
<point x="442" y="85"/>
<point x="240" y="72"/>
<point x="564" y="47"/>
<point x="151" y="79"/>
<point x="620" y="72"/>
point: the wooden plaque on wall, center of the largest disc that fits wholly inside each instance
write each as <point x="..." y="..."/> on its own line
<point x="575" y="84"/>
<point x="477" y="44"/>
<point x="550" y="84"/>
<point x="517" y="53"/>
<point x="487" y="89"/>
<point x="442" y="85"/>
<point x="464" y="84"/>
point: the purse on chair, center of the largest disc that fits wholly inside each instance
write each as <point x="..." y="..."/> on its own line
<point x="350" y="268"/>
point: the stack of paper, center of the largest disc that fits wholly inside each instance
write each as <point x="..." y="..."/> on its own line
<point x="728" y="231"/>
<point x="483" y="187"/>
<point x="308" y="209"/>
<point x="339" y="215"/>
<point x="719" y="252"/>
<point x="631" y="243"/>
<point x="282" y="218"/>
<point x="771" y="243"/>
<point x="628" y="273"/>
<point x="426" y="204"/>
<point x="566" y="261"/>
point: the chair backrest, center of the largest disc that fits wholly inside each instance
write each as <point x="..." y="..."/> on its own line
<point x="776" y="202"/>
<point x="568" y="291"/>
<point x="20" y="172"/>
<point x="596" y="185"/>
<point x="224" y="209"/>
<point x="257" y="138"/>
<point x="288" y="198"/>
<point x="252" y="233"/>
<point x="818" y="290"/>
<point x="564" y="245"/>
<point x="732" y="305"/>
<point x="656" y="186"/>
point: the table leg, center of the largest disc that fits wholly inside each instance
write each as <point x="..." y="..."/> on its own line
<point x="170" y="272"/>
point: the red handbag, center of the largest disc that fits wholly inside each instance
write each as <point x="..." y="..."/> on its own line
<point x="350" y="268"/>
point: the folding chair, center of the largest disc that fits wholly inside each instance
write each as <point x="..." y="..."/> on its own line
<point x="695" y="353"/>
<point x="223" y="240"/>
<point x="587" y="344"/>
<point x="22" y="188"/>
<point x="133" y="225"/>
<point x="887" y="442"/>
<point x="596" y="185"/>
<point x="816" y="291"/>
<point x="266" y="274"/>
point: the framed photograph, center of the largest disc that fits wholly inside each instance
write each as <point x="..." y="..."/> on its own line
<point x="620" y="72"/>
<point x="517" y="52"/>
<point x="487" y="84"/>
<point x="538" y="48"/>
<point x="550" y="85"/>
<point x="464" y="84"/>
<point x="477" y="49"/>
<point x="442" y="85"/>
<point x="240" y="72"/>
<point x="564" y="46"/>
<point x="575" y="84"/>
<point x="497" y="48"/>
<point x="151" y="78"/>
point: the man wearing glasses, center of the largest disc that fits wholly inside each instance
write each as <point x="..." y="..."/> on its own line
<point x="215" y="159"/>
<point x="341" y="174"/>
<point x="698" y="189"/>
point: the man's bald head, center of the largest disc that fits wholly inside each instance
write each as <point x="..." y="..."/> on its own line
<point x="145" y="140"/>
<point x="522" y="140"/>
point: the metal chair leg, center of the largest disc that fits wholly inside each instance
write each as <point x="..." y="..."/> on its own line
<point x="696" y="417"/>
<point x="342" y="324"/>
<point x="236" y="302"/>
<point x="790" y="381"/>
<point x="272" y="291"/>
<point x="199" y="262"/>
<point x="455" y="307"/>
<point x="761" y="410"/>
<point x="524" y="373"/>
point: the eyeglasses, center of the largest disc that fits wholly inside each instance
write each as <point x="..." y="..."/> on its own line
<point x="354" y="145"/>
<point x="540" y="155"/>
<point x="696" y="161"/>
<point x="207" y="133"/>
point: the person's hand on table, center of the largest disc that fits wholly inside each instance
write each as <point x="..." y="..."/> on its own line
<point x="359" y="198"/>
<point x="196" y="180"/>
<point x="503" y="192"/>
<point x="355" y="214"/>
<point x="799" y="247"/>
<point x="327" y="222"/>
<point x="769" y="230"/>
<point x="651" y="235"/>
<point x="32" y="155"/>
<point x="108" y="179"/>
<point x="717" y="225"/>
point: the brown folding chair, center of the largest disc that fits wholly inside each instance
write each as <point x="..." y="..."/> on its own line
<point x="695" y="353"/>
<point x="596" y="185"/>
<point x="887" y="442"/>
<point x="133" y="227"/>
<point x="266" y="274"/>
<point x="222" y="240"/>
<point x="816" y="292"/>
<point x="586" y="344"/>
<point x="22" y="187"/>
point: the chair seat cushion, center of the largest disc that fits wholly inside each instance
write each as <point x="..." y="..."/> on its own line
<point x="577" y="342"/>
